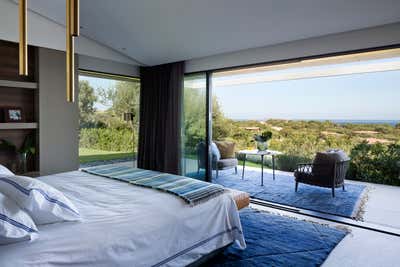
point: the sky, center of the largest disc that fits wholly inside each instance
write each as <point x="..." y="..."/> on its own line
<point x="360" y="96"/>
<point x="365" y="96"/>
<point x="368" y="96"/>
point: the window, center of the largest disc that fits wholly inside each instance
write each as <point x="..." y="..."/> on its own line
<point x="347" y="102"/>
<point x="108" y="120"/>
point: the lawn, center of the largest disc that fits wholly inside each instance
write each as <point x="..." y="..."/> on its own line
<point x="90" y="155"/>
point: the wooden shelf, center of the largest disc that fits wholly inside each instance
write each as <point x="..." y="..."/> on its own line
<point x="18" y="125"/>
<point x="16" y="84"/>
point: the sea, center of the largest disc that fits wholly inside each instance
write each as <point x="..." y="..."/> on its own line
<point x="390" y="122"/>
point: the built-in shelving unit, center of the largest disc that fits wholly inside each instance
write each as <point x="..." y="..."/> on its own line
<point x="18" y="126"/>
<point x="17" y="84"/>
<point x="21" y="92"/>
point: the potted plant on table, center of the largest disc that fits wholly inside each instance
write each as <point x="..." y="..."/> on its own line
<point x="262" y="140"/>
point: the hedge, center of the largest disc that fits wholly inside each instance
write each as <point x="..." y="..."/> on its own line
<point x="376" y="163"/>
<point x="108" y="139"/>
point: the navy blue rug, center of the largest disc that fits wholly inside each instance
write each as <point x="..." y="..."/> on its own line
<point x="274" y="240"/>
<point x="281" y="190"/>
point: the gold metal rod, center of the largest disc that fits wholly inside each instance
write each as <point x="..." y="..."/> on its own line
<point x="23" y="46"/>
<point x="70" y="81"/>
<point x="75" y="17"/>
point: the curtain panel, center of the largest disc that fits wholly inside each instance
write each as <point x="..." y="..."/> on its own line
<point x="160" y="117"/>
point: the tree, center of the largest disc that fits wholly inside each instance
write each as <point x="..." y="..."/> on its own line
<point x="86" y="99"/>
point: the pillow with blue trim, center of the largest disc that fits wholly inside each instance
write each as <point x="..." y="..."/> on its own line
<point x="15" y="224"/>
<point x="44" y="203"/>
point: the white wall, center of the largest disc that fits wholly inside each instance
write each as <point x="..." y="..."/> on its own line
<point x="43" y="32"/>
<point x="360" y="39"/>
<point x="58" y="119"/>
<point x="107" y="66"/>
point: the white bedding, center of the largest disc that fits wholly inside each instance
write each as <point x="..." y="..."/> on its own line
<point x="126" y="225"/>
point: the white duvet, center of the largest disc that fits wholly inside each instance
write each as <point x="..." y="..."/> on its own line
<point x="126" y="225"/>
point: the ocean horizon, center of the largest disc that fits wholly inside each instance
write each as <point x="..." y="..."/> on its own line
<point x="339" y="121"/>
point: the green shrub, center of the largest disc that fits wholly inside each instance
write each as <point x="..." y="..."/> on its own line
<point x="376" y="163"/>
<point x="288" y="162"/>
<point x="108" y="139"/>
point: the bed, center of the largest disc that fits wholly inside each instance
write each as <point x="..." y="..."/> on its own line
<point x="126" y="225"/>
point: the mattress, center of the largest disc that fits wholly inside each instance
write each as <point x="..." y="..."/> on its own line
<point x="126" y="225"/>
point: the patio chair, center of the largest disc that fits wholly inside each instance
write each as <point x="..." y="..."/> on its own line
<point x="217" y="162"/>
<point x="328" y="170"/>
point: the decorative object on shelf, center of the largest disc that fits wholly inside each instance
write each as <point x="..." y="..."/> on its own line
<point x="262" y="140"/>
<point x="13" y="114"/>
<point x="27" y="149"/>
<point x="23" y="153"/>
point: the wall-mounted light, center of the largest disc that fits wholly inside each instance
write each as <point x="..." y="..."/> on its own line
<point x="72" y="30"/>
<point x="23" y="46"/>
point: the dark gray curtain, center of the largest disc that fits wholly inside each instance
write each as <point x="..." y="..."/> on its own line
<point x="160" y="117"/>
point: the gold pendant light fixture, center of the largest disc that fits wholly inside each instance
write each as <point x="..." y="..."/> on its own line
<point x="23" y="46"/>
<point x="72" y="30"/>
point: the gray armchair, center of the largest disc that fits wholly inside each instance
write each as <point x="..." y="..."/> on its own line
<point x="328" y="170"/>
<point x="217" y="163"/>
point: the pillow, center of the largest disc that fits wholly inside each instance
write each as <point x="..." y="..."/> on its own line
<point x="15" y="224"/>
<point x="5" y="171"/>
<point x="216" y="155"/>
<point x="44" y="203"/>
<point x="226" y="148"/>
<point x="325" y="161"/>
<point x="338" y="154"/>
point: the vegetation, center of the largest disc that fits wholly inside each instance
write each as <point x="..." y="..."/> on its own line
<point x="376" y="163"/>
<point x="90" y="155"/>
<point x="374" y="148"/>
<point x="103" y="133"/>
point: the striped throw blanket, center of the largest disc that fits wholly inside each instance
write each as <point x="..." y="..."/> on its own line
<point x="192" y="191"/>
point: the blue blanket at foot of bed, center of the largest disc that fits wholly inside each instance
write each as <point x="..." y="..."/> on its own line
<point x="192" y="191"/>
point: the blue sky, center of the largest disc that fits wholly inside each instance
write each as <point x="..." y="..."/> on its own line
<point x="368" y="96"/>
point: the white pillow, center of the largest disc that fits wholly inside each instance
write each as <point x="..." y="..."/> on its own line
<point x="15" y="224"/>
<point x="44" y="203"/>
<point x="5" y="171"/>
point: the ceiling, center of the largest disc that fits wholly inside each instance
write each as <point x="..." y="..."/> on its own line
<point x="160" y="31"/>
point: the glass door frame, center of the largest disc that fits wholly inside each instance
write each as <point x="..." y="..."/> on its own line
<point x="209" y="125"/>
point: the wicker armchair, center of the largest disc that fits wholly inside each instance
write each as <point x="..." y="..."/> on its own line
<point x="323" y="175"/>
<point x="216" y="164"/>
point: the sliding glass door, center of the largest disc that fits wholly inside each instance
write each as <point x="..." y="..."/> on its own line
<point x="194" y="128"/>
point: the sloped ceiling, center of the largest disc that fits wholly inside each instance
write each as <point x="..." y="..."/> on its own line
<point x="160" y="31"/>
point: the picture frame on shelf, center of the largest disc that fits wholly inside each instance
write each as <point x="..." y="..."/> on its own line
<point x="13" y="114"/>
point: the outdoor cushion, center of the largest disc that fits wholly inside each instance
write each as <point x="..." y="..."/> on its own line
<point x="226" y="148"/>
<point x="324" y="162"/>
<point x="215" y="152"/>
<point x="225" y="163"/>
<point x="337" y="154"/>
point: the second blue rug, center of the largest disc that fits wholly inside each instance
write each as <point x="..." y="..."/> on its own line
<point x="274" y="240"/>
